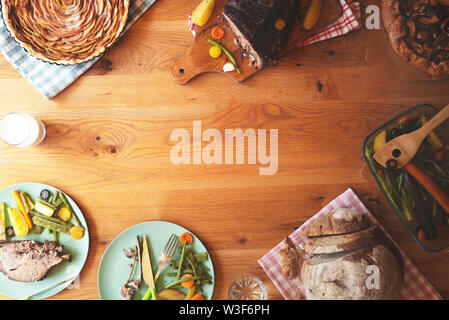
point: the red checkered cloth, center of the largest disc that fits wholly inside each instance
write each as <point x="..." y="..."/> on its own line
<point x="349" y="21"/>
<point x="416" y="286"/>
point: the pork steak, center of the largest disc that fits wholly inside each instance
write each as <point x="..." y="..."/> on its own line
<point x="29" y="261"/>
<point x="261" y="27"/>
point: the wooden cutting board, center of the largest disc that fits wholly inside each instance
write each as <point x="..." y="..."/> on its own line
<point x="198" y="61"/>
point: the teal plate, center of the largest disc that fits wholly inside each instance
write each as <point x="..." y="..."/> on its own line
<point x="115" y="266"/>
<point x="78" y="249"/>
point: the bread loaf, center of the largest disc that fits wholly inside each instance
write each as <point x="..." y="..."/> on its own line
<point x="345" y="257"/>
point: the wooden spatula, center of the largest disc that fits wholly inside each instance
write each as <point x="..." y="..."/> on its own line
<point x="401" y="150"/>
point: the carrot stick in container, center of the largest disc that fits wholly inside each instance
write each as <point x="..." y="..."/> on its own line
<point x="440" y="196"/>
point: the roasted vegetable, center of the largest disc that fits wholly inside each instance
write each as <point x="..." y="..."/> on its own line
<point x="2" y="222"/>
<point x="44" y="208"/>
<point x="186" y="238"/>
<point x="187" y="284"/>
<point x="181" y="261"/>
<point x="202" y="13"/>
<point x="423" y="215"/>
<point x="64" y="214"/>
<point x="27" y="201"/>
<point x="217" y="33"/>
<point x="312" y="15"/>
<point x="191" y="293"/>
<point x="439" y="195"/>
<point x="178" y="282"/>
<point x="18" y="222"/>
<point x="66" y="204"/>
<point x="45" y="195"/>
<point x="197" y="296"/>
<point x="215" y="52"/>
<point x="22" y="209"/>
<point x="52" y="224"/>
<point x="380" y="141"/>
<point x="77" y="232"/>
<point x="10" y="232"/>
<point x="171" y="294"/>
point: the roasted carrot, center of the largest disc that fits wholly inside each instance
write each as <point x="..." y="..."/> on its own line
<point x="421" y="235"/>
<point x="187" y="284"/>
<point x="77" y="232"/>
<point x="186" y="238"/>
<point x="440" y="196"/>
<point x="404" y="119"/>
<point x="217" y="33"/>
<point x="198" y="296"/>
<point x="21" y="207"/>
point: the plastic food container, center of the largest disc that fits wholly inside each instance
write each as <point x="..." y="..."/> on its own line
<point x="390" y="182"/>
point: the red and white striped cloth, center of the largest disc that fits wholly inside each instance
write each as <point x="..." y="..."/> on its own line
<point x="349" y="21"/>
<point x="416" y="286"/>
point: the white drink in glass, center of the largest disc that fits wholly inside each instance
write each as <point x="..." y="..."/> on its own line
<point x="21" y="130"/>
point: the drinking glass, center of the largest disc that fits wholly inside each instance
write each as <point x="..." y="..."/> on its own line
<point x="247" y="287"/>
<point x="21" y="130"/>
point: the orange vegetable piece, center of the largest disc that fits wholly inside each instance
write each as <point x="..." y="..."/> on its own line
<point x="421" y="235"/>
<point x="198" y="296"/>
<point x="187" y="284"/>
<point x="217" y="33"/>
<point x="186" y="238"/>
<point x="439" y="194"/>
<point x="405" y="118"/>
<point x="77" y="232"/>
<point x="280" y="24"/>
<point x="21" y="207"/>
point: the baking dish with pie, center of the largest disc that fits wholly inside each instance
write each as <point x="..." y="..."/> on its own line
<point x="65" y="32"/>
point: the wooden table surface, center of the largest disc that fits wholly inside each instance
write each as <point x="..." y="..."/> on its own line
<point x="108" y="142"/>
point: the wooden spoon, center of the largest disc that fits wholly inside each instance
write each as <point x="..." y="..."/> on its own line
<point x="401" y="150"/>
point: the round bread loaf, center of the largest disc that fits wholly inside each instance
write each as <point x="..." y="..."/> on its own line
<point x="369" y="273"/>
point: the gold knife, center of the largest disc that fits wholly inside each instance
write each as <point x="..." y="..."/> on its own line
<point x="148" y="272"/>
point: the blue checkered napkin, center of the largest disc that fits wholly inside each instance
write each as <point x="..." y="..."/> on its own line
<point x="51" y="79"/>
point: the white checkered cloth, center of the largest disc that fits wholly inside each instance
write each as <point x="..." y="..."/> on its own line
<point x="416" y="286"/>
<point x="51" y="79"/>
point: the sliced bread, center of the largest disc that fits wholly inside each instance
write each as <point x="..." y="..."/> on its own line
<point x="339" y="221"/>
<point x="339" y="243"/>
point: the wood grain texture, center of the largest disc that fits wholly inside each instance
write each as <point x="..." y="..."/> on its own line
<point x="198" y="61"/>
<point x="108" y="142"/>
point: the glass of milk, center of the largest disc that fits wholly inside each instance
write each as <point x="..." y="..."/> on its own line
<point x="21" y="130"/>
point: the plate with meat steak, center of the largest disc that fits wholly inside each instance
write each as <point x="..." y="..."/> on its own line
<point x="256" y="33"/>
<point x="36" y="261"/>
